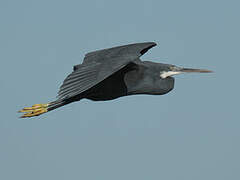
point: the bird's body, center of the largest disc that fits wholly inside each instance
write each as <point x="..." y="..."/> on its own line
<point x="111" y="73"/>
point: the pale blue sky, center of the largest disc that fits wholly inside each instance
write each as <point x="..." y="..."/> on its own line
<point x="191" y="133"/>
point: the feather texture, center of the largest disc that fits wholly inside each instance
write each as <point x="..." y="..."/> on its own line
<point x="79" y="80"/>
<point x="99" y="65"/>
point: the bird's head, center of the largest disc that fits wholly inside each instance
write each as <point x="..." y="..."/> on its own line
<point x="170" y="70"/>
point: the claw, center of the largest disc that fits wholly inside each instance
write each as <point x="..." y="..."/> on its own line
<point x="35" y="110"/>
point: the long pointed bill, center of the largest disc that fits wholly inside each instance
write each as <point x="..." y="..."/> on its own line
<point x="177" y="70"/>
<point x="190" y="70"/>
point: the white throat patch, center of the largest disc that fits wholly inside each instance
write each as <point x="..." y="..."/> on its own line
<point x="168" y="73"/>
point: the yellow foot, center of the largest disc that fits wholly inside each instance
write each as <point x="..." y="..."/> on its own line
<point x="35" y="110"/>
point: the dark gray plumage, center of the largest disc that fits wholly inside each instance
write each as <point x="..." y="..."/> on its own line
<point x="111" y="73"/>
<point x="99" y="65"/>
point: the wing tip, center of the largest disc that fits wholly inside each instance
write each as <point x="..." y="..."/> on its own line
<point x="149" y="46"/>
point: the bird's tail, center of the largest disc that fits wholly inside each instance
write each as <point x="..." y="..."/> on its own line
<point x="38" y="109"/>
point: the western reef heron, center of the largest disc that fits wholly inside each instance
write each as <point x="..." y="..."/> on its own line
<point x="111" y="73"/>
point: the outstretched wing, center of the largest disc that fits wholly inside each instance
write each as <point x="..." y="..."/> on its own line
<point x="129" y="50"/>
<point x="99" y="65"/>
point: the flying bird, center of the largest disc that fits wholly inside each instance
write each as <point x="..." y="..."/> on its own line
<point x="112" y="73"/>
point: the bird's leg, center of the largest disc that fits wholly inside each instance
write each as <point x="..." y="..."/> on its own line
<point x="35" y="110"/>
